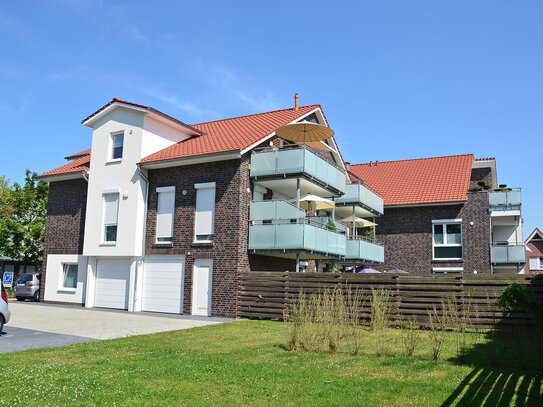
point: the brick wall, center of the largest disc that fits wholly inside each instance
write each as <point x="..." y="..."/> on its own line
<point x="480" y="174"/>
<point x="229" y="250"/>
<point x="65" y="221"/>
<point x="407" y="236"/>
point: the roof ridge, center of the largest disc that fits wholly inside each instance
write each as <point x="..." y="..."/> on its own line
<point x="415" y="159"/>
<point x="253" y="114"/>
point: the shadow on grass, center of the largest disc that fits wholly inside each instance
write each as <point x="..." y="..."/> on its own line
<point x="507" y="371"/>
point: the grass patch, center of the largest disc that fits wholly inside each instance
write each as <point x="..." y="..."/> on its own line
<point x="247" y="363"/>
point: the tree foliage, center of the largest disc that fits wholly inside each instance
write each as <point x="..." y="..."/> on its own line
<point x="22" y="218"/>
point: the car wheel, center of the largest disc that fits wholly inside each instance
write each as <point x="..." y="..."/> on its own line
<point x="1" y="324"/>
<point x="20" y="298"/>
<point x="37" y="296"/>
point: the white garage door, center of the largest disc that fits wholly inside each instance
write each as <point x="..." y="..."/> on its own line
<point x="163" y="284"/>
<point x="112" y="277"/>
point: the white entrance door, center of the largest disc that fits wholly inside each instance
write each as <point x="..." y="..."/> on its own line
<point x="201" y="287"/>
<point x="112" y="282"/>
<point x="163" y="284"/>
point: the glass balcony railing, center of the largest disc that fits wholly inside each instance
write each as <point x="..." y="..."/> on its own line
<point x="299" y="160"/>
<point x="323" y="220"/>
<point x="357" y="193"/>
<point x="512" y="254"/>
<point x="505" y="199"/>
<point x="365" y="251"/>
<point x="296" y="237"/>
<point x="275" y="210"/>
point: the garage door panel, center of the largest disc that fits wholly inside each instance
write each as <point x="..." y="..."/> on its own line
<point x="163" y="284"/>
<point x="112" y="281"/>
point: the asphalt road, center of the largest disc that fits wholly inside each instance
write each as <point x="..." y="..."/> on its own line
<point x="15" y="339"/>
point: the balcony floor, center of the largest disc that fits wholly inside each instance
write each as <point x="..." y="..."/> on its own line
<point x="291" y="254"/>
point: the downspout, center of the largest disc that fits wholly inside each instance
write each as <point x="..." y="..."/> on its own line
<point x="85" y="175"/>
<point x="143" y="244"/>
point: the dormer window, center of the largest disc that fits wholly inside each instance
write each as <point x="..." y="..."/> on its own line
<point x="117" y="142"/>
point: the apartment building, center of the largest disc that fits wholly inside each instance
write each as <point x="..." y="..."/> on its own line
<point x="446" y="215"/>
<point x="159" y="215"/>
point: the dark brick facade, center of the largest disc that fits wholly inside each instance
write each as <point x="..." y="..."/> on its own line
<point x="407" y="236"/>
<point x="229" y="250"/>
<point x="65" y="221"/>
<point x="480" y="174"/>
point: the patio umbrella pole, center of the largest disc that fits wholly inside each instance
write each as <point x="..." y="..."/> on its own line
<point x="297" y="192"/>
<point x="354" y="227"/>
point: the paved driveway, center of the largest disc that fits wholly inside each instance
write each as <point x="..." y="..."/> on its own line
<point x="36" y="325"/>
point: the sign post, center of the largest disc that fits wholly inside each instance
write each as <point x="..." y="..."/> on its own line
<point x="7" y="279"/>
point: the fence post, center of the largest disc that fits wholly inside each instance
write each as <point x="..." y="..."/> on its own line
<point x="285" y="292"/>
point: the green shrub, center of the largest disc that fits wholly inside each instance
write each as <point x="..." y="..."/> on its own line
<point x="517" y="296"/>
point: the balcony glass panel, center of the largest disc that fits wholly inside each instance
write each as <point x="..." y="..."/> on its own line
<point x="505" y="198"/>
<point x="296" y="236"/>
<point x="295" y="161"/>
<point x="355" y="193"/>
<point x="276" y="209"/>
<point x="364" y="250"/>
<point x="508" y="254"/>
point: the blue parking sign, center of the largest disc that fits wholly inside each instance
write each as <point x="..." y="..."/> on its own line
<point x="7" y="279"/>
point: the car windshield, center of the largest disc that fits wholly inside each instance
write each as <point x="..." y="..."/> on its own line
<point x="23" y="278"/>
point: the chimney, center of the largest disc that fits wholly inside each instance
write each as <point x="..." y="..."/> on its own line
<point x="296" y="101"/>
<point x="347" y="165"/>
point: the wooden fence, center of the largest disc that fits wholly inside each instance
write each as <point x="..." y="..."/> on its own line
<point x="265" y="295"/>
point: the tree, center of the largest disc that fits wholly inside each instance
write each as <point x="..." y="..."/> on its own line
<point x="22" y="219"/>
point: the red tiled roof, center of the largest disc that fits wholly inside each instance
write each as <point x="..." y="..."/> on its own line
<point x="151" y="109"/>
<point x="77" y="165"/>
<point x="236" y="133"/>
<point x="420" y="180"/>
<point x="79" y="154"/>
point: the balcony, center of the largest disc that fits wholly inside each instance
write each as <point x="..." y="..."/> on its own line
<point x="508" y="254"/>
<point x="281" y="228"/>
<point x="275" y="210"/>
<point x="358" y="194"/>
<point x="362" y="250"/>
<point x="505" y="200"/>
<point x="297" y="162"/>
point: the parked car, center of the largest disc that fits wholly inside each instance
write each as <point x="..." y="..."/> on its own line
<point x="4" y="309"/>
<point x="27" y="286"/>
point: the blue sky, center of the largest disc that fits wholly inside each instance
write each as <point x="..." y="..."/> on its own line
<point x="397" y="79"/>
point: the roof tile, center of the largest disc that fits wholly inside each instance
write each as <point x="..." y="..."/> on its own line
<point x="420" y="180"/>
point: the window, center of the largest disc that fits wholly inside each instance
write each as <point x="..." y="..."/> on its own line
<point x="536" y="263"/>
<point x="111" y="213"/>
<point x="447" y="239"/>
<point x="69" y="275"/>
<point x="205" y="208"/>
<point x="117" y="142"/>
<point x="164" y="215"/>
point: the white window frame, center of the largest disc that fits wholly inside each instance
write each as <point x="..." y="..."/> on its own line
<point x="445" y="222"/>
<point x="165" y="190"/>
<point x="204" y="185"/>
<point x="104" y="194"/>
<point x="538" y="261"/>
<point x="63" y="276"/>
<point x="111" y="147"/>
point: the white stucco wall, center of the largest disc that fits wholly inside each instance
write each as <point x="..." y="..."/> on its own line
<point x="143" y="135"/>
<point x="54" y="290"/>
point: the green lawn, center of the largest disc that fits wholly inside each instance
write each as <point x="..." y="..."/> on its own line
<point x="245" y="363"/>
